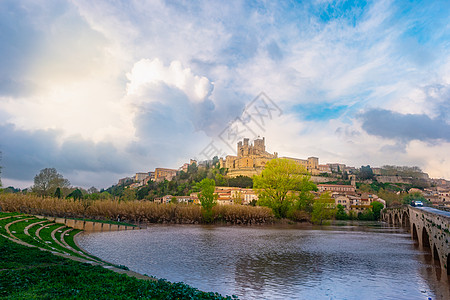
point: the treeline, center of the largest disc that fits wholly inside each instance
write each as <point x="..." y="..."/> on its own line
<point x="49" y="183"/>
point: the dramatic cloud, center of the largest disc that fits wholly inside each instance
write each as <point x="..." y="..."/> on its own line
<point x="407" y="127"/>
<point x="102" y="89"/>
<point x="24" y="153"/>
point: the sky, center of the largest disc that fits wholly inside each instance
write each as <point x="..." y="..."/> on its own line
<point x="101" y="90"/>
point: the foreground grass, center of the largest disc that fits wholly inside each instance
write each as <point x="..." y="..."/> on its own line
<point x="30" y="273"/>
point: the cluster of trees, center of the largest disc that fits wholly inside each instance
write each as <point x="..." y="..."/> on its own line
<point x="371" y="214"/>
<point x="182" y="184"/>
<point x="49" y="183"/>
<point x="414" y="172"/>
<point x="286" y="188"/>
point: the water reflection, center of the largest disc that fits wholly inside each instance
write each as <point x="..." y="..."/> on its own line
<point x="343" y="261"/>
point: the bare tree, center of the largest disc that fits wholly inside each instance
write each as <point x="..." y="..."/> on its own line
<point x="47" y="181"/>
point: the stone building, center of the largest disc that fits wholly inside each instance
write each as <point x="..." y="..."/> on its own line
<point x="311" y="164"/>
<point x="347" y="189"/>
<point x="250" y="159"/>
<point x="163" y="173"/>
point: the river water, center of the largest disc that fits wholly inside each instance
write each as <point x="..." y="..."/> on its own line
<point x="370" y="261"/>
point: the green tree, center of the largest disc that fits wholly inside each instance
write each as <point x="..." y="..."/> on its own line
<point x="367" y="215"/>
<point x="365" y="173"/>
<point x="129" y="194"/>
<point x="241" y="181"/>
<point x="58" y="193"/>
<point x="376" y="208"/>
<point x="277" y="183"/>
<point x="47" y="181"/>
<point x="323" y="209"/>
<point x="105" y="195"/>
<point x="340" y="213"/>
<point x="391" y="197"/>
<point x="76" y="194"/>
<point x="417" y="196"/>
<point x="305" y="197"/>
<point x="207" y="197"/>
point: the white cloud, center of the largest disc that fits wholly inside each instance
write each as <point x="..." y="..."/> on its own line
<point x="148" y="72"/>
<point x="149" y="76"/>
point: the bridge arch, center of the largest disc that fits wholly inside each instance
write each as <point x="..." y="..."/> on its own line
<point x="429" y="228"/>
<point x="425" y="238"/>
<point x="396" y="220"/>
<point x="405" y="220"/>
<point x="448" y="264"/>
<point x="436" y="255"/>
<point x="414" y="233"/>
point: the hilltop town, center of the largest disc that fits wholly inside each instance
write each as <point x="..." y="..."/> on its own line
<point x="353" y="188"/>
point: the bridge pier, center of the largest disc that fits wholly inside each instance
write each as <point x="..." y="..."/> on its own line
<point x="431" y="230"/>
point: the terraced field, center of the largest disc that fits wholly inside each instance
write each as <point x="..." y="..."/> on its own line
<point x="40" y="260"/>
<point x="46" y="235"/>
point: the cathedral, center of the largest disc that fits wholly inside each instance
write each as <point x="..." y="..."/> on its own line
<point x="251" y="159"/>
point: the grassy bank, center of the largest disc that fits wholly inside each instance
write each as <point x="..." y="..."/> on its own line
<point x="135" y="212"/>
<point x="31" y="273"/>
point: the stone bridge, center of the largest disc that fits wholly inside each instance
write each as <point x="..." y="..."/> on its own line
<point x="429" y="226"/>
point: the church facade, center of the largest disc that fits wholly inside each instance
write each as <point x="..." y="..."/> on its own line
<point x="252" y="158"/>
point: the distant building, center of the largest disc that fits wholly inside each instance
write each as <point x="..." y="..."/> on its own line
<point x="162" y="173"/>
<point x="343" y="200"/>
<point x="324" y="169"/>
<point x="140" y="176"/>
<point x="311" y="164"/>
<point x="125" y="181"/>
<point x="337" y="168"/>
<point x="444" y="198"/>
<point x="336" y="188"/>
<point x="184" y="167"/>
<point x="250" y="159"/>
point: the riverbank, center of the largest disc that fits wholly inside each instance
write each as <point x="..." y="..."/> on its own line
<point x="40" y="260"/>
<point x="134" y="212"/>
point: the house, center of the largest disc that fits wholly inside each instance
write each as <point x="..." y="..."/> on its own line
<point x="336" y="188"/>
<point x="324" y="169"/>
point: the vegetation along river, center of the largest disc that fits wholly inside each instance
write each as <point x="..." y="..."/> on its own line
<point x="370" y="261"/>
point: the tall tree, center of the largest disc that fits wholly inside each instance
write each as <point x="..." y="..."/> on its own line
<point x="47" y="181"/>
<point x="207" y="197"/>
<point x="377" y="207"/>
<point x="277" y="183"/>
<point x="323" y="209"/>
<point x="57" y="193"/>
<point x="365" y="173"/>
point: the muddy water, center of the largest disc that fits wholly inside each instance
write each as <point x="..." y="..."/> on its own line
<point x="370" y="261"/>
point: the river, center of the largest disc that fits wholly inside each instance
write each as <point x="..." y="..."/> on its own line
<point x="360" y="261"/>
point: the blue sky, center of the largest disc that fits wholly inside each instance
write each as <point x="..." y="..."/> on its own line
<point x="101" y="90"/>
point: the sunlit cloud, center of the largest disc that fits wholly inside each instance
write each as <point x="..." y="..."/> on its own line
<point x="101" y="89"/>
